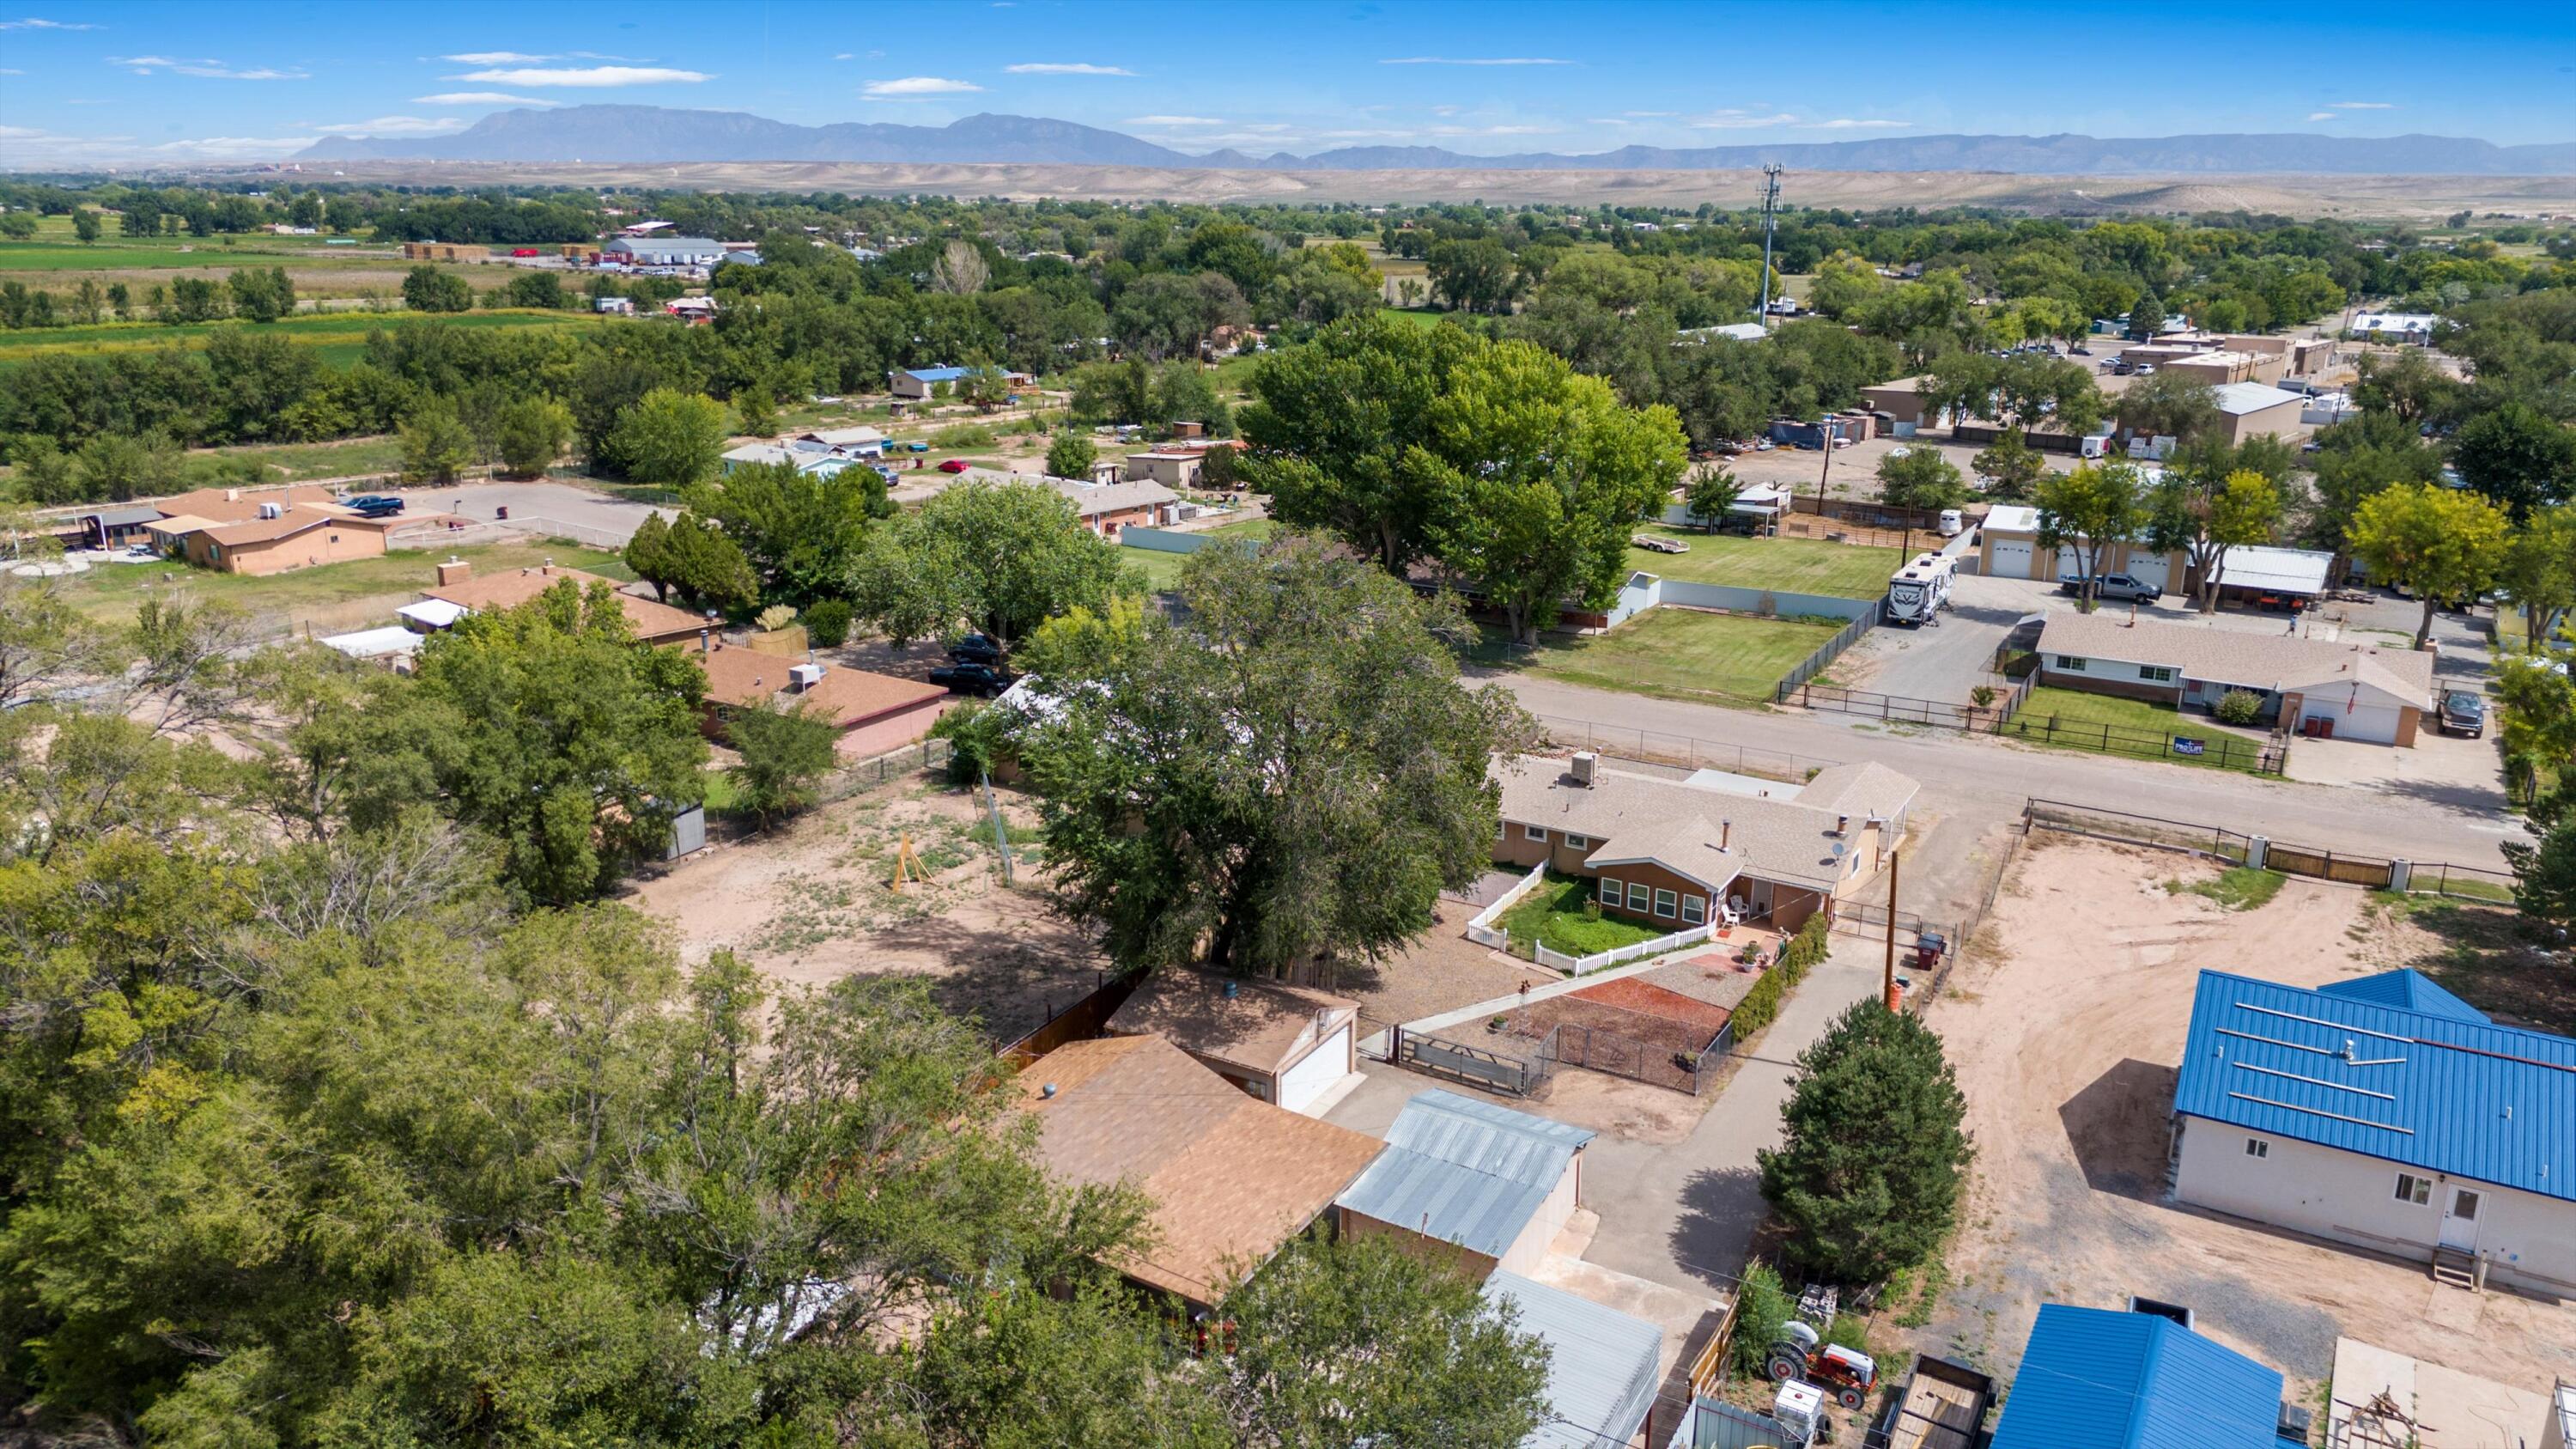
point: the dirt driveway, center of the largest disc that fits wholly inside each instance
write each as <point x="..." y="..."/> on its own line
<point x="2065" y="1038"/>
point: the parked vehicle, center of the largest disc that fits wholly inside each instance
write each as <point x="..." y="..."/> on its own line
<point x="1801" y="1354"/>
<point x="2115" y="586"/>
<point x="1940" y="1395"/>
<point x="1916" y="592"/>
<point x="1658" y="543"/>
<point x="977" y="679"/>
<point x="1953" y="523"/>
<point x="2464" y="713"/>
<point x="374" y="505"/>
<point x="953" y="465"/>
<point x="916" y="447"/>
<point x="975" y="649"/>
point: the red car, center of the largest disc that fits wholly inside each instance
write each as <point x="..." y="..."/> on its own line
<point x="525" y="252"/>
<point x="953" y="465"/>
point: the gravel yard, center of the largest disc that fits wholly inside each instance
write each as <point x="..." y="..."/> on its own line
<point x="2065" y="1034"/>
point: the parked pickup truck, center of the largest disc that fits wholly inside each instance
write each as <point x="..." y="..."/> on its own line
<point x="2115" y="586"/>
<point x="375" y="505"/>
<point x="2464" y="713"/>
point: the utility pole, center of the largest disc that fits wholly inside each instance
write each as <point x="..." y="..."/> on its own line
<point x="1890" y="996"/>
<point x="1770" y="228"/>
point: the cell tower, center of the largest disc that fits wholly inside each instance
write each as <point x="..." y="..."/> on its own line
<point x="1770" y="228"/>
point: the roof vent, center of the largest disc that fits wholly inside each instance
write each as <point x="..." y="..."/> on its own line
<point x="1047" y="1091"/>
<point x="271" y="510"/>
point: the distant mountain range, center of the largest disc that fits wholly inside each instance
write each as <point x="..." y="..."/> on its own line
<point x="655" y="134"/>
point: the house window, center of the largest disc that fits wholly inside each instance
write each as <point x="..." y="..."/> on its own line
<point x="1578" y="842"/>
<point x="1610" y="896"/>
<point x="1638" y="895"/>
<point x="1534" y="832"/>
<point x="2070" y="664"/>
<point x="1663" y="903"/>
<point x="1694" y="909"/>
<point x="2155" y="674"/>
<point x="2257" y="1147"/>
<point x="2417" y="1190"/>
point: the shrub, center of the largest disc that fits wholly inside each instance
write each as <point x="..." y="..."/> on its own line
<point x="2238" y="707"/>
<point x="776" y="617"/>
<point x="1762" y="1003"/>
<point x="974" y="734"/>
<point x="827" y="623"/>
<point x="1763" y="1308"/>
<point x="962" y="436"/>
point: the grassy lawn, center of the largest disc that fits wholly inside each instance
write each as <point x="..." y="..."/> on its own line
<point x="2137" y="728"/>
<point x="1790" y="565"/>
<point x="1418" y="316"/>
<point x="1553" y="915"/>
<point x="1675" y="654"/>
<point x="2237" y="888"/>
<point x="111" y="591"/>
<point x="1163" y="570"/>
<point x="337" y="338"/>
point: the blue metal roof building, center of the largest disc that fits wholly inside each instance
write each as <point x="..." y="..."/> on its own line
<point x="933" y="374"/>
<point x="2394" y="1069"/>
<point x="1601" y="1364"/>
<point x="2100" y="1378"/>
<point x="1464" y="1171"/>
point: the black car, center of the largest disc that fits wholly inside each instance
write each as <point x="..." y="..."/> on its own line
<point x="2464" y="713"/>
<point x="975" y="649"/>
<point x="375" y="505"/>
<point x="981" y="679"/>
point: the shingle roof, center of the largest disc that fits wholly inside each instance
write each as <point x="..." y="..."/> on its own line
<point x="240" y="505"/>
<point x="1464" y="1171"/>
<point x="748" y="678"/>
<point x="1262" y="1027"/>
<point x="2417" y="1087"/>
<point x="1090" y="500"/>
<point x="1679" y="825"/>
<point x="2234" y="656"/>
<point x="1600" y="1363"/>
<point x="1231" y="1178"/>
<point x="509" y="590"/>
<point x="2101" y="1378"/>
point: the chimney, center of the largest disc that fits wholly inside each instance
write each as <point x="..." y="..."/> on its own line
<point x="549" y="567"/>
<point x="1841" y="824"/>
<point x="455" y="571"/>
<point x="1585" y="763"/>
<point x="232" y="495"/>
<point x="1725" y="833"/>
<point x="704" y="647"/>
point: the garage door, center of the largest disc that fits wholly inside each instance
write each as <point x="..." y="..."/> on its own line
<point x="1319" y="1069"/>
<point x="2068" y="564"/>
<point x="2012" y="558"/>
<point x="2373" y="723"/>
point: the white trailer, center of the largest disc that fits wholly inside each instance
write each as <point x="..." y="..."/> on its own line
<point x="1917" y="591"/>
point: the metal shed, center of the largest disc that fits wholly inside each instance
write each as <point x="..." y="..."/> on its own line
<point x="1600" y="1366"/>
<point x="1488" y="1179"/>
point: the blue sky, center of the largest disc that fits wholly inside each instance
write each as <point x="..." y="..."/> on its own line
<point x="221" y="81"/>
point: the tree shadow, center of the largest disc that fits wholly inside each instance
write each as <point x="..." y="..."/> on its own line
<point x="2492" y="959"/>
<point x="2117" y="1128"/>
<point x="1722" y="1210"/>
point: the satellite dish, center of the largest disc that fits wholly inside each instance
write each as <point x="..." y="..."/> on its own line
<point x="1839" y="848"/>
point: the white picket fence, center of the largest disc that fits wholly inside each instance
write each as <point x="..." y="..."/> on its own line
<point x="1619" y="955"/>
<point x="1482" y="930"/>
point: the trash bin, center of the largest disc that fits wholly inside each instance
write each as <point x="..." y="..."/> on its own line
<point x="502" y="512"/>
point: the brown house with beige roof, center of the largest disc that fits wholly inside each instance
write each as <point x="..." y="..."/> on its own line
<point x="875" y="713"/>
<point x="1678" y="853"/>
<point x="267" y="531"/>
<point x="1285" y="1045"/>
<point x="2314" y="686"/>
<point x="1232" y="1179"/>
<point x="461" y="592"/>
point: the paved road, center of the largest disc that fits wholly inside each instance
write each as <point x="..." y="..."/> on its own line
<point x="1977" y="783"/>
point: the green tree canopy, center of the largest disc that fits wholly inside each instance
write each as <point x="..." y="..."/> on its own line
<point x="2430" y="540"/>
<point x="2087" y="509"/>
<point x="801" y="532"/>
<point x="670" y="437"/>
<point x="1070" y="455"/>
<point x="693" y="559"/>
<point x="2202" y="520"/>
<point x="780" y="756"/>
<point x="2010" y="466"/>
<point x="1001" y="557"/>
<point x="1920" y="477"/>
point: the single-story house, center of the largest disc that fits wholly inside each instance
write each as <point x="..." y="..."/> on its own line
<point x="1494" y="1185"/>
<point x="1671" y="852"/>
<point x="1285" y="1045"/>
<point x="663" y="251"/>
<point x="757" y="455"/>
<point x="2254" y="409"/>
<point x="1601" y="1364"/>
<point x="1104" y="508"/>
<point x="2386" y="1113"/>
<point x="1232" y="1179"/>
<point x="691" y="309"/>
<point x="1170" y="467"/>
<point x="917" y="383"/>
<point x="874" y="712"/>
<point x="2299" y="355"/>
<point x="2314" y="686"/>
<point x="2220" y="368"/>
<point x="117" y="527"/>
<point x="2103" y="1378"/>
<point x="2411" y="327"/>
<point x="856" y="442"/>
<point x="458" y="593"/>
<point x="613" y="306"/>
<point x="2008" y="547"/>
<point x="296" y="536"/>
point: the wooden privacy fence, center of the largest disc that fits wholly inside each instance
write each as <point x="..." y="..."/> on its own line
<point x="1081" y="1019"/>
<point x="2236" y="847"/>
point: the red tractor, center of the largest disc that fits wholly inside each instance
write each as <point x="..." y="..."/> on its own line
<point x="1801" y="1354"/>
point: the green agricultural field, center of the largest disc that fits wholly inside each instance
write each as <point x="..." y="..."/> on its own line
<point x="1789" y="565"/>
<point x="341" y="595"/>
<point x="1674" y="654"/>
<point x="338" y="338"/>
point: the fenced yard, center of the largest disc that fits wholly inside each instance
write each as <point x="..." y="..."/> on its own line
<point x="2106" y="724"/>
<point x="2235" y="847"/>
<point x="1686" y="654"/>
<point x="1788" y="565"/>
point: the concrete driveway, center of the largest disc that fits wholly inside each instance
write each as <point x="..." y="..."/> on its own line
<point x="539" y="506"/>
<point x="1940" y="661"/>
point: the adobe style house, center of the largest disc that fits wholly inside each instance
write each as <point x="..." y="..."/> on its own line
<point x="237" y="531"/>
<point x="1286" y="1045"/>
<point x="1104" y="508"/>
<point x="459" y="593"/>
<point x="2385" y="1113"/>
<point x="1671" y="853"/>
<point x="2314" y="686"/>
<point x="875" y="713"/>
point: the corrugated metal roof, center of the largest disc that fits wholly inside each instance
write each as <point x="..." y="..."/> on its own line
<point x="122" y="517"/>
<point x="934" y="374"/>
<point x="2407" y="988"/>
<point x="2420" y="1088"/>
<point x="2100" y="1378"/>
<point x="1464" y="1171"/>
<point x="1600" y="1363"/>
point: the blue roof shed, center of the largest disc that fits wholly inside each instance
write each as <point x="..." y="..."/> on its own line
<point x="2100" y="1378"/>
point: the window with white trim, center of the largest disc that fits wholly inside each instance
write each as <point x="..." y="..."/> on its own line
<point x="2070" y="663"/>
<point x="1610" y="893"/>
<point x="1663" y="903"/>
<point x="1577" y="842"/>
<point x="2257" y="1147"/>
<point x="2417" y="1190"/>
<point x="2156" y="673"/>
<point x="1534" y="832"/>
<point x="1638" y="895"/>
<point x="1694" y="909"/>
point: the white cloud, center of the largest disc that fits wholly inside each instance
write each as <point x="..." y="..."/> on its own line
<point x="919" y="85"/>
<point x="846" y="55"/>
<point x="1649" y="115"/>
<point x="210" y="69"/>
<point x="18" y="133"/>
<point x="481" y="98"/>
<point x="1171" y="121"/>
<point x="34" y="23"/>
<point x="1741" y="121"/>
<point x="587" y="77"/>
<point x="4" y="70"/>
<point x="1494" y="130"/>
<point x="390" y="126"/>
<point x="497" y="57"/>
<point x="1066" y="67"/>
<point x="1603" y="121"/>
<point x="1455" y="60"/>
<point x="2323" y="116"/>
<point x="1846" y="124"/>
<point x="1444" y="110"/>
<point x="2365" y="105"/>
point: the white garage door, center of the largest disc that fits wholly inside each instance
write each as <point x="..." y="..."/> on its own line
<point x="2373" y="723"/>
<point x="1319" y="1069"/>
<point x="2012" y="558"/>
<point x="2068" y="564"/>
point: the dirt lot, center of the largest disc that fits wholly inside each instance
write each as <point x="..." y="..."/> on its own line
<point x="2065" y="1038"/>
<point x="1612" y="1040"/>
<point x="809" y="904"/>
